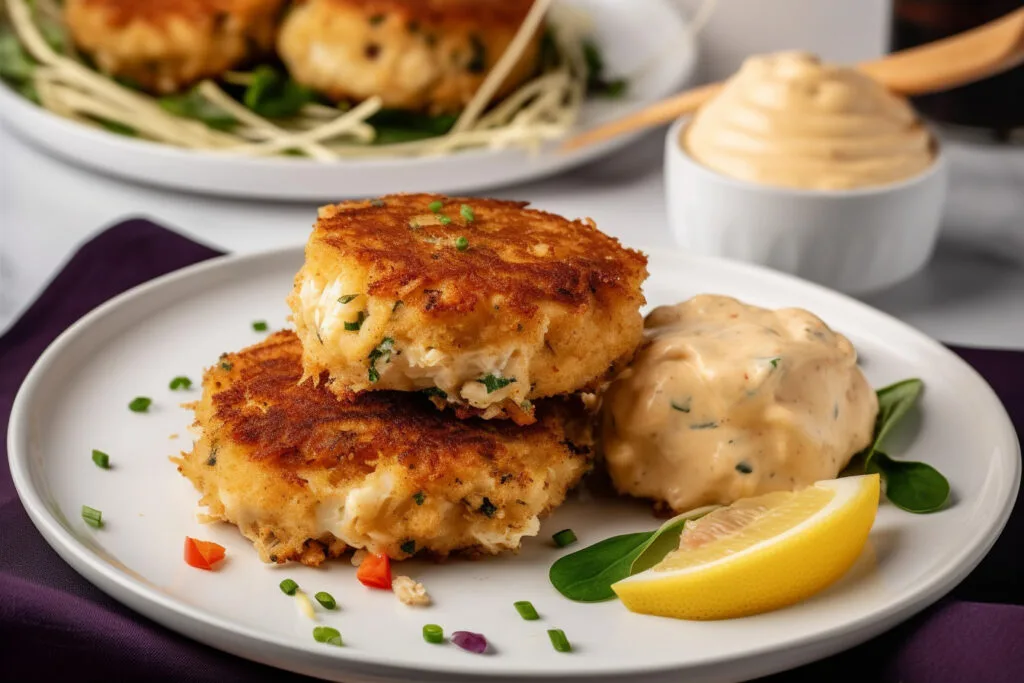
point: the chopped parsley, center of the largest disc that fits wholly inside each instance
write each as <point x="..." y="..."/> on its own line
<point x="354" y="326"/>
<point x="345" y="299"/>
<point x="434" y="391"/>
<point x="101" y="459"/>
<point x="467" y="212"/>
<point x="409" y="547"/>
<point x="381" y="353"/>
<point x="419" y="497"/>
<point x="487" y="507"/>
<point x="775" y="361"/>
<point x="180" y="382"/>
<point x="462" y="244"/>
<point x="444" y="220"/>
<point x="494" y="382"/>
<point x="226" y="366"/>
<point x="260" y="326"/>
<point x="92" y="517"/>
<point x="140" y="404"/>
<point x="436" y="206"/>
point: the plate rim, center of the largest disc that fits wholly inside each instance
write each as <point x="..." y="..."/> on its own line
<point x="168" y="611"/>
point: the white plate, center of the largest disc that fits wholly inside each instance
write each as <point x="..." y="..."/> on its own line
<point x="75" y="399"/>
<point x="646" y="40"/>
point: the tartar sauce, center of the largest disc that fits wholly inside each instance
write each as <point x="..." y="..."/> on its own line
<point x="789" y="120"/>
<point x="726" y="400"/>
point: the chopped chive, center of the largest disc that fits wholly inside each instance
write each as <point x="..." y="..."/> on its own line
<point x="345" y="299"/>
<point x="558" y="640"/>
<point x="494" y="382"/>
<point x="775" y="362"/>
<point x="180" y="382"/>
<point x="564" y="537"/>
<point x="328" y="635"/>
<point x="288" y="587"/>
<point x="354" y="326"/>
<point x="467" y="212"/>
<point x="526" y="610"/>
<point x="373" y="375"/>
<point x="92" y="517"/>
<point x="409" y="547"/>
<point x="140" y="404"/>
<point x="435" y="206"/>
<point x="432" y="633"/>
<point x="419" y="497"/>
<point x="326" y="600"/>
<point x="462" y="244"/>
<point x="681" y="406"/>
<point x="101" y="459"/>
<point x="434" y="391"/>
<point x="260" y="326"/>
<point x="444" y="220"/>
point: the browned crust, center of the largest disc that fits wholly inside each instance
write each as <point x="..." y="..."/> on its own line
<point x="289" y="426"/>
<point x="122" y="12"/>
<point x="480" y="12"/>
<point x="522" y="255"/>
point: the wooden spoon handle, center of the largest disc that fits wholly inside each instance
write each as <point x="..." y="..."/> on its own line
<point x="662" y="112"/>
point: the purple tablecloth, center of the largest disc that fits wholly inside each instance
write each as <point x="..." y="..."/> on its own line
<point x="54" y="625"/>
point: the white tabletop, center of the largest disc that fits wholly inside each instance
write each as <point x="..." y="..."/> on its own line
<point x="967" y="295"/>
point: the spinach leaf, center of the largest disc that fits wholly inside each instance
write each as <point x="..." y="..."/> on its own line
<point x="192" y="105"/>
<point x="397" y="125"/>
<point x="587" y="575"/>
<point x="894" y="401"/>
<point x="912" y="486"/>
<point x="275" y="95"/>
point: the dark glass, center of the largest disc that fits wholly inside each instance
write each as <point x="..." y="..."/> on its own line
<point x="995" y="104"/>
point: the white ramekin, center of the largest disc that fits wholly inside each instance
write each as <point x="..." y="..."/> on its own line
<point x="855" y="241"/>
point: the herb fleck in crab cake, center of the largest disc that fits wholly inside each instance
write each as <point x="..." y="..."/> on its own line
<point x="305" y="476"/>
<point x="414" y="54"/>
<point x="165" y="45"/>
<point x="483" y="305"/>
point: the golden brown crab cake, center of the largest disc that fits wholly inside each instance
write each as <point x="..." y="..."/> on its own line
<point x="166" y="45"/>
<point x="304" y="475"/>
<point x="429" y="55"/>
<point x="483" y="304"/>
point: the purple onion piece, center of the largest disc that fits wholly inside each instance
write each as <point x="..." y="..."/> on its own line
<point x="471" y="642"/>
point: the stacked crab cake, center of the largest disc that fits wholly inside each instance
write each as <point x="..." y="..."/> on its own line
<point x="428" y="399"/>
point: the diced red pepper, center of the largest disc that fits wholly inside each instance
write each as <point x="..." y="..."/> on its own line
<point x="202" y="554"/>
<point x="375" y="571"/>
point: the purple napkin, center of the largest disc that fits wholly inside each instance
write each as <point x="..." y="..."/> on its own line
<point x="54" y="625"/>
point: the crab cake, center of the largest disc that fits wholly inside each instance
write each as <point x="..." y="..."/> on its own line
<point x="427" y="55"/>
<point x="165" y="45"/>
<point x="482" y="304"/>
<point x="304" y="475"/>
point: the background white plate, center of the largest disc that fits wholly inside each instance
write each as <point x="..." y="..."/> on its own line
<point x="646" y="40"/>
<point x="75" y="399"/>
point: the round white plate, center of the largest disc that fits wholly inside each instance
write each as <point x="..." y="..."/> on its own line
<point x="76" y="397"/>
<point x="645" y="40"/>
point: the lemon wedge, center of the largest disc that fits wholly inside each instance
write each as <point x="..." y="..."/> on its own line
<point x="760" y="553"/>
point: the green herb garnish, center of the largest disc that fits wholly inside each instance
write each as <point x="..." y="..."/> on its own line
<point x="494" y="382"/>
<point x="432" y="633"/>
<point x="226" y="366"/>
<point x="705" y="425"/>
<point x="436" y="206"/>
<point x="681" y="406"/>
<point x="419" y="497"/>
<point x="275" y="95"/>
<point x="92" y="517"/>
<point x="326" y="600"/>
<point x="558" y="640"/>
<point x="587" y="575"/>
<point x="101" y="459"/>
<point x="466" y="211"/>
<point x="462" y="244"/>
<point x="444" y="220"/>
<point x="597" y="84"/>
<point x="180" y="382"/>
<point x="409" y="547"/>
<point x="434" y="391"/>
<point x="912" y="486"/>
<point x="526" y="610"/>
<point x="565" y="537"/>
<point x="193" y="105"/>
<point x="398" y="125"/>
<point x="381" y="353"/>
<point x="346" y="298"/>
<point x="140" y="404"/>
<point x="775" y="362"/>
<point x="487" y="507"/>
<point x="15" y="62"/>
<point x="288" y="587"/>
<point x="354" y="326"/>
<point x="328" y="635"/>
<point x="115" y="127"/>
<point x="259" y="326"/>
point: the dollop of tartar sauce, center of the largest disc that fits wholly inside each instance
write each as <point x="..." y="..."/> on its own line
<point x="787" y="119"/>
<point x="725" y="401"/>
